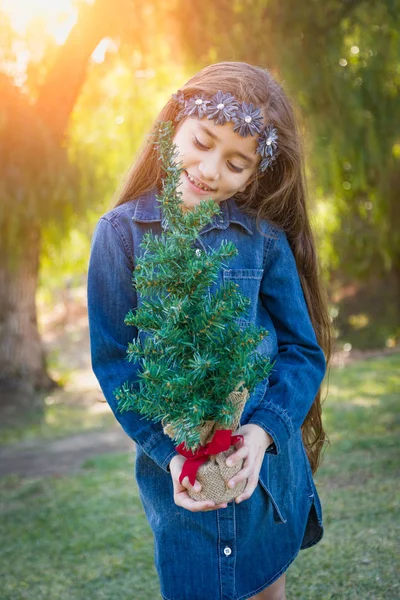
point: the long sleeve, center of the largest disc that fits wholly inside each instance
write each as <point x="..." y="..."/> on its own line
<point x="110" y="297"/>
<point x="300" y="363"/>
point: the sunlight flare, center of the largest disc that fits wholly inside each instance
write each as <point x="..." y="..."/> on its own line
<point x="59" y="16"/>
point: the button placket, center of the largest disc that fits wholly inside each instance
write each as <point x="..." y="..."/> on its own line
<point x="227" y="549"/>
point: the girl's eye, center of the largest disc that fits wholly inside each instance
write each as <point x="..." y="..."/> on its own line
<point x="233" y="168"/>
<point x="203" y="147"/>
<point x="199" y="144"/>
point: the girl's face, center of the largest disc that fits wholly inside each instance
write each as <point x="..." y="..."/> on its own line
<point x="217" y="162"/>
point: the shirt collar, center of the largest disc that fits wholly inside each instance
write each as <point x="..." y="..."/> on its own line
<point x="148" y="210"/>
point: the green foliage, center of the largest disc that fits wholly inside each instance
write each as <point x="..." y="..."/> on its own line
<point x="339" y="63"/>
<point x="112" y="118"/>
<point x="196" y="354"/>
<point x="104" y="137"/>
<point x="56" y="187"/>
<point x="37" y="182"/>
<point x="366" y="316"/>
<point x="351" y="86"/>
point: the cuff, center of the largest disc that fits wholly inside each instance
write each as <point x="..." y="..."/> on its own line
<point x="161" y="449"/>
<point x="276" y="423"/>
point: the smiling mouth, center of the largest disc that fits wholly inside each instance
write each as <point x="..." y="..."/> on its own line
<point x="197" y="183"/>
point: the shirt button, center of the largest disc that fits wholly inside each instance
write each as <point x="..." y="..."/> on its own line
<point x="227" y="551"/>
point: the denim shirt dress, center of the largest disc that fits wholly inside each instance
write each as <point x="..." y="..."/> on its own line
<point x="231" y="553"/>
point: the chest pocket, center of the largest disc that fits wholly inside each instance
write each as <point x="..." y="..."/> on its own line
<point x="249" y="281"/>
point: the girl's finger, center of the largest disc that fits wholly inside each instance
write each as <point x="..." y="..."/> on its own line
<point x="185" y="501"/>
<point x="245" y="495"/>
<point x="248" y="490"/>
<point x="246" y="472"/>
<point x="217" y="506"/>
<point x="237" y="456"/>
<point x="239" y="477"/>
<point x="239" y="443"/>
<point x="251" y="485"/>
<point x="187" y="485"/>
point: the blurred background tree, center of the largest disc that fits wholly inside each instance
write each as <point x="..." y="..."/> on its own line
<point x="339" y="60"/>
<point x="77" y="100"/>
<point x="44" y="186"/>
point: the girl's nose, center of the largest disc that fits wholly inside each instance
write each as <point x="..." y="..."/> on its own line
<point x="209" y="171"/>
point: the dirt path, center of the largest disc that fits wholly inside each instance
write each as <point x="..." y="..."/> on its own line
<point x="61" y="456"/>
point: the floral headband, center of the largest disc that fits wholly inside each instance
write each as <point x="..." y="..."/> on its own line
<point x="247" y="119"/>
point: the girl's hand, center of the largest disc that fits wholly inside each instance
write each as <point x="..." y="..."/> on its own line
<point x="253" y="448"/>
<point x="181" y="497"/>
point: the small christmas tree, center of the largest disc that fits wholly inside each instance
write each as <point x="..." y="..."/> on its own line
<point x="196" y="354"/>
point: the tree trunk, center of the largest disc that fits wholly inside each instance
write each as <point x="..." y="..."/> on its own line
<point x="22" y="361"/>
<point x="23" y="369"/>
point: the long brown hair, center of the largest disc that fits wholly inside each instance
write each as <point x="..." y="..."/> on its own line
<point x="278" y="195"/>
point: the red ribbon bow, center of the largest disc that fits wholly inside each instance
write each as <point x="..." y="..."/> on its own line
<point x="222" y="440"/>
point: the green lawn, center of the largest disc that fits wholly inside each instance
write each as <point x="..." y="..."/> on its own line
<point x="85" y="537"/>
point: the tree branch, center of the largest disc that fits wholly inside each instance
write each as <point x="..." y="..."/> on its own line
<point x="65" y="79"/>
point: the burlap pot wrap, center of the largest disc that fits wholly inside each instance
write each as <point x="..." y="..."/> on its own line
<point x="215" y="474"/>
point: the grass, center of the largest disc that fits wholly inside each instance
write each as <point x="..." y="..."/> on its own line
<point x="85" y="537"/>
<point x="357" y="482"/>
<point x="79" y="537"/>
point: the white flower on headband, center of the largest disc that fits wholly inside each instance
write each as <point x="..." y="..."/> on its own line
<point x="267" y="147"/>
<point x="195" y="107"/>
<point x="248" y="120"/>
<point x="179" y="98"/>
<point x="222" y="108"/>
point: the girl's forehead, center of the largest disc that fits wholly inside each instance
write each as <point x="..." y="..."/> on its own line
<point x="224" y="134"/>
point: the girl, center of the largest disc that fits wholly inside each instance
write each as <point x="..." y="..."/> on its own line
<point x="239" y="145"/>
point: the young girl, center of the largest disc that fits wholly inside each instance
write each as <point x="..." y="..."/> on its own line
<point x="239" y="145"/>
